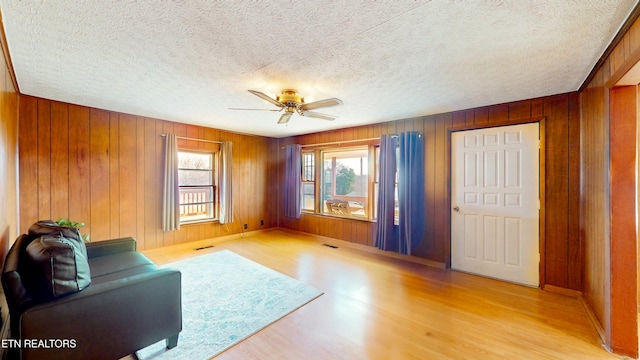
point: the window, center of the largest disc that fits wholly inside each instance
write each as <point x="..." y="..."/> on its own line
<point x="308" y="180"/>
<point x="197" y="181"/>
<point x="345" y="181"/>
<point x="376" y="181"/>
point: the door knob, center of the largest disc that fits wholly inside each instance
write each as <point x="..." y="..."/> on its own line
<point x="456" y="209"/>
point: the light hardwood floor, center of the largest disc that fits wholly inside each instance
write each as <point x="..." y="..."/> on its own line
<point x="380" y="307"/>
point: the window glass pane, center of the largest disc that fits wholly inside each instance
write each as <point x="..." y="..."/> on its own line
<point x="308" y="196"/>
<point x="196" y="212"/>
<point x="189" y="160"/>
<point x="197" y="190"/>
<point x="194" y="177"/>
<point x="196" y="203"/>
<point x="375" y="200"/>
<point x="397" y="163"/>
<point x="196" y="195"/>
<point x="345" y="182"/>
<point x="377" y="163"/>
<point x="308" y="166"/>
<point x="396" y="207"/>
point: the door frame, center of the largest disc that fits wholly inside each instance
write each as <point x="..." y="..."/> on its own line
<point x="542" y="177"/>
<point x="622" y="335"/>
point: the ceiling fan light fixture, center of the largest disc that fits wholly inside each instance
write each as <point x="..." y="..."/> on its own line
<point x="292" y="103"/>
<point x="290" y="97"/>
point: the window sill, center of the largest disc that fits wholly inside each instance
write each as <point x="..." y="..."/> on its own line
<point x="340" y="217"/>
<point x="199" y="222"/>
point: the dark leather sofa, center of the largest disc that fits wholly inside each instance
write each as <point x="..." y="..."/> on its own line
<point x="130" y="304"/>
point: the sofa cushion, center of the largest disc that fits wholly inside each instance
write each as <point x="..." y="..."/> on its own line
<point x="105" y="265"/>
<point x="123" y="276"/>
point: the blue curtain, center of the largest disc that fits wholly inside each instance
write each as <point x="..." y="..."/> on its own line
<point x="404" y="154"/>
<point x="293" y="181"/>
<point x="387" y="232"/>
<point x="411" y="194"/>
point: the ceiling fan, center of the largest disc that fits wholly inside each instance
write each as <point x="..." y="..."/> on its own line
<point x="292" y="103"/>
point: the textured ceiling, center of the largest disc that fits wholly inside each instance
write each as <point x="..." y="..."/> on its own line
<point x="190" y="61"/>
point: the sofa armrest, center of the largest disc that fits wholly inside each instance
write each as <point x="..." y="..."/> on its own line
<point x="110" y="247"/>
<point x="111" y="319"/>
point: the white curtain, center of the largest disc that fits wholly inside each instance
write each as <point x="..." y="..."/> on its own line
<point x="226" y="203"/>
<point x="171" y="194"/>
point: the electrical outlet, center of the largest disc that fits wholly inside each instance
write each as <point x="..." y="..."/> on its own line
<point x="246" y="226"/>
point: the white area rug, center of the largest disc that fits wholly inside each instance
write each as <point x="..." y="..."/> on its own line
<point x="225" y="299"/>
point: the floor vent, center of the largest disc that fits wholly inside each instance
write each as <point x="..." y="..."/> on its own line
<point x="331" y="246"/>
<point x="204" y="247"/>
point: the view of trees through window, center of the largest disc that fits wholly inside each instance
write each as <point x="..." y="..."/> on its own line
<point x="345" y="179"/>
<point x="345" y="182"/>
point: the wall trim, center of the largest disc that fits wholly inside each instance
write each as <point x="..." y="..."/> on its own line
<point x="633" y="16"/>
<point x="563" y="291"/>
<point x="626" y="66"/>
<point x="7" y="56"/>
<point x="192" y="245"/>
<point x="596" y="324"/>
<point x="366" y="248"/>
<point x="202" y="243"/>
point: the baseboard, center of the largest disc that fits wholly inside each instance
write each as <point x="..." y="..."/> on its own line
<point x="366" y="248"/>
<point x="594" y="321"/>
<point x="563" y="291"/>
<point x="322" y="239"/>
<point x="203" y="243"/>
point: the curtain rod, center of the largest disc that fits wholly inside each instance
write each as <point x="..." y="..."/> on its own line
<point x="350" y="141"/>
<point x="194" y="139"/>
<point x="341" y="142"/>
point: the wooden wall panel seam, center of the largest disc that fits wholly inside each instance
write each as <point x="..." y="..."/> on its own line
<point x="109" y="189"/>
<point x="496" y="115"/>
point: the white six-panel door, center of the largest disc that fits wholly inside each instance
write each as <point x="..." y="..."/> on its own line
<point x="495" y="202"/>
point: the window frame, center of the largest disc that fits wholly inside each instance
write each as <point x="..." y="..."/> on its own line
<point x="372" y="168"/>
<point x="306" y="180"/>
<point x="215" y="189"/>
<point x="376" y="183"/>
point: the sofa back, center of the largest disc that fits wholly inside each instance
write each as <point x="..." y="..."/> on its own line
<point x="14" y="280"/>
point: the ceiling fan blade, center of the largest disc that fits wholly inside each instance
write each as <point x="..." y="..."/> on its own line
<point x="321" y="103"/>
<point x="255" y="109"/>
<point x="318" y="115"/>
<point x="285" y="118"/>
<point x="266" y="97"/>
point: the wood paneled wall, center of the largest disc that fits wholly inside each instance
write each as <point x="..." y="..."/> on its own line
<point x="622" y="141"/>
<point x="562" y="253"/>
<point x="8" y="163"/>
<point x="8" y="170"/>
<point x="595" y="226"/>
<point x="105" y="168"/>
